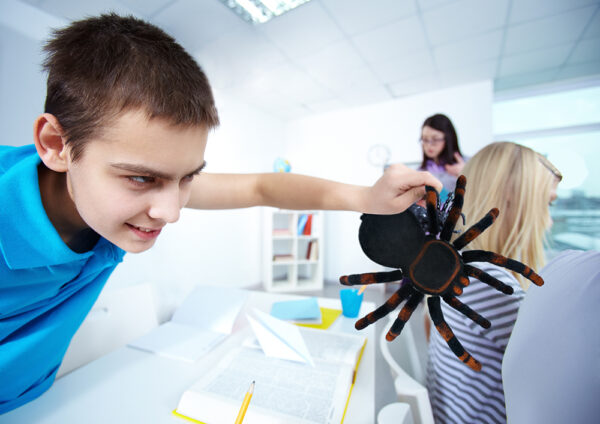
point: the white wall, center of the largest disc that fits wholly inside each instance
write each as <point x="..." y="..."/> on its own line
<point x="335" y="145"/>
<point x="22" y="87"/>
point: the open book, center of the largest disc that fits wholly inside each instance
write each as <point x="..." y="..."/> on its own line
<point x="286" y="391"/>
<point x="204" y="319"/>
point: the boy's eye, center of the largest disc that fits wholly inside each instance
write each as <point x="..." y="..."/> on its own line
<point x="137" y="179"/>
<point x="188" y="178"/>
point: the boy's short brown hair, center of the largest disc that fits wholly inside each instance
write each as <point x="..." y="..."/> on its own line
<point x="102" y="66"/>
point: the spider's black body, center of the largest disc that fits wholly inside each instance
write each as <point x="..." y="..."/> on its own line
<point x="427" y="263"/>
<point x="406" y="246"/>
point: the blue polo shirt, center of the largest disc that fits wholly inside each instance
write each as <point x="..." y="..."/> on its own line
<point x="46" y="289"/>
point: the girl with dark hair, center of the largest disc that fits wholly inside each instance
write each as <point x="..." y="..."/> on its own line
<point x="441" y="154"/>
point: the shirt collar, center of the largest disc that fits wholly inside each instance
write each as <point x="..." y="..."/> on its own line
<point x="431" y="165"/>
<point x="28" y="239"/>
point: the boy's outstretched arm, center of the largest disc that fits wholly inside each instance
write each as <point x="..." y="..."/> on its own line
<point x="396" y="190"/>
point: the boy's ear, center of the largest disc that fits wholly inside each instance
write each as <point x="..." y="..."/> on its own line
<point x="50" y="143"/>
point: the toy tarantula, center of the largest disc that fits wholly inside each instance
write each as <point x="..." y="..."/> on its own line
<point x="428" y="264"/>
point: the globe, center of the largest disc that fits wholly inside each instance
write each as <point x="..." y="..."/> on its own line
<point x="281" y="165"/>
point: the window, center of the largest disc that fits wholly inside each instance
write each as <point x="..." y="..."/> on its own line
<point x="565" y="127"/>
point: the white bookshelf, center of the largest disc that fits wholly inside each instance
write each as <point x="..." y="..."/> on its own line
<point x="287" y="266"/>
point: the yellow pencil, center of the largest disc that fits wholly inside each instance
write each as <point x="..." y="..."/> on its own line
<point x="245" y="404"/>
<point x="362" y="289"/>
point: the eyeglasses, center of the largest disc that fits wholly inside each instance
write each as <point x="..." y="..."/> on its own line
<point x="432" y="141"/>
<point x="544" y="160"/>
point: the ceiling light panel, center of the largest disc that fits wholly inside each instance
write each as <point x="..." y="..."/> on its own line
<point x="260" y="11"/>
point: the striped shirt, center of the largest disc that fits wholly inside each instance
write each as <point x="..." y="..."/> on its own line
<point x="457" y="393"/>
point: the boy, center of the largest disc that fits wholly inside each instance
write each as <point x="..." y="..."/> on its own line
<point x="116" y="155"/>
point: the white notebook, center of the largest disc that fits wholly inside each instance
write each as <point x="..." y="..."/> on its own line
<point x="203" y="320"/>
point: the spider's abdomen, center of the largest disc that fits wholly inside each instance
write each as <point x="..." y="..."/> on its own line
<point x="435" y="279"/>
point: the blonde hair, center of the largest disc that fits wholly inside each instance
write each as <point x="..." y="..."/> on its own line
<point x="517" y="181"/>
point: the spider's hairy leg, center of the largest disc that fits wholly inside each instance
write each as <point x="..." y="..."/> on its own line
<point x="456" y="288"/>
<point x="465" y="310"/>
<point x="496" y="259"/>
<point x="404" y="315"/>
<point x="392" y="303"/>
<point x="435" y="311"/>
<point x="486" y="278"/>
<point x="468" y="236"/>
<point x="463" y="281"/>
<point x="431" y="200"/>
<point x="457" y="204"/>
<point x="371" y="278"/>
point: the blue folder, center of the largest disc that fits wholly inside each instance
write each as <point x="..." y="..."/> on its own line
<point x="296" y="309"/>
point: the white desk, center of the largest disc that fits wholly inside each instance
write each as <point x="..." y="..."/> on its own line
<point x="131" y="386"/>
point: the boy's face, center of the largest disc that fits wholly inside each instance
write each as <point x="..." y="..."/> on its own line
<point x="134" y="179"/>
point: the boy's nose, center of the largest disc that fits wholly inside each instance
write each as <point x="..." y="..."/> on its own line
<point x="166" y="206"/>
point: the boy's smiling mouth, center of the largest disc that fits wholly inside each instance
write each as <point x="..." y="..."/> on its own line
<point x="144" y="232"/>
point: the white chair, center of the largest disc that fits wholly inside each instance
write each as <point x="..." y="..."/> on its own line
<point x="117" y="317"/>
<point x="395" y="413"/>
<point x="405" y="356"/>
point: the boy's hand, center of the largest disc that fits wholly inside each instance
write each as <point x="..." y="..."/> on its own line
<point x="397" y="189"/>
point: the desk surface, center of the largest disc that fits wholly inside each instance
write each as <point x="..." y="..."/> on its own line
<point x="131" y="386"/>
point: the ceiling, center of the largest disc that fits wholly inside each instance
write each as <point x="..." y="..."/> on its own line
<point x="331" y="54"/>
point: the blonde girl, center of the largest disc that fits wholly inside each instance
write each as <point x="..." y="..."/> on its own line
<point x="521" y="184"/>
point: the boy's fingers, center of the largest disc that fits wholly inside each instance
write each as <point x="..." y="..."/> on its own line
<point x="421" y="179"/>
<point x="414" y="178"/>
<point x="408" y="198"/>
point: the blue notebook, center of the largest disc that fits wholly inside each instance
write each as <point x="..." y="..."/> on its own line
<point x="303" y="309"/>
<point x="301" y="223"/>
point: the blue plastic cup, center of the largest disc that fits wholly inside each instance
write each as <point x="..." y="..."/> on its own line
<point x="351" y="302"/>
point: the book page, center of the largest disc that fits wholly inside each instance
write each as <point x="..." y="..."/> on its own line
<point x="331" y="346"/>
<point x="285" y="391"/>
